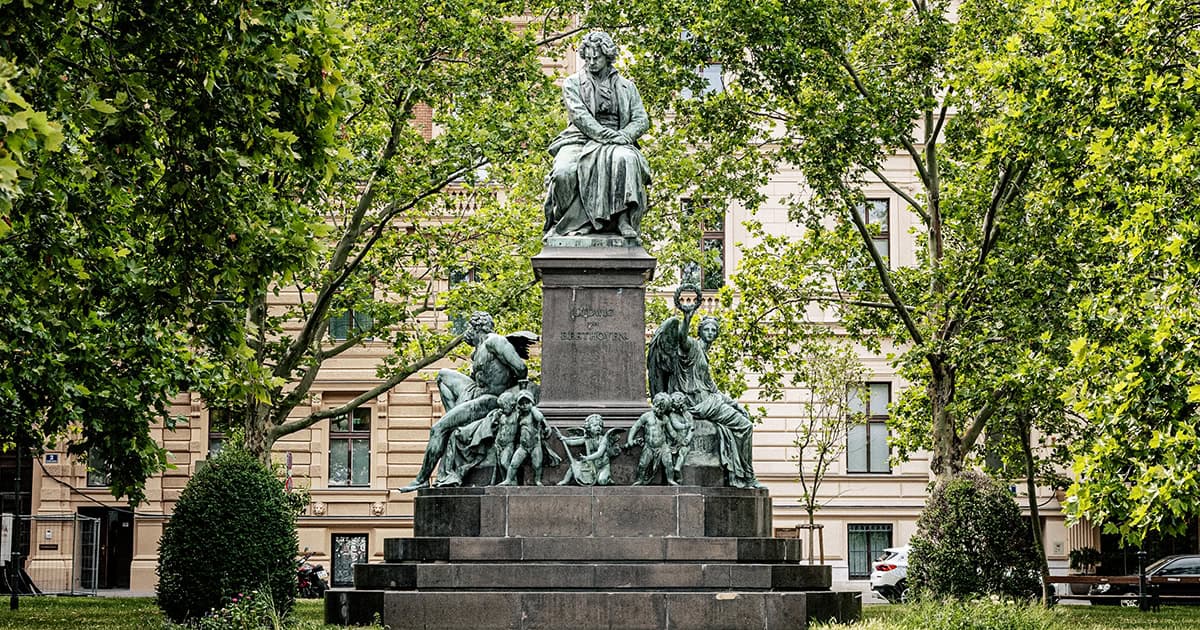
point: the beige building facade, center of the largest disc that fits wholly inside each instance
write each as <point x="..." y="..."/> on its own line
<point x="350" y="465"/>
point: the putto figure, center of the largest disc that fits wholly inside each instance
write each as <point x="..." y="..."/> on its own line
<point x="653" y="427"/>
<point x="598" y="183"/>
<point x="677" y="362"/>
<point x="531" y="428"/>
<point x="497" y="366"/>
<point x="599" y="447"/>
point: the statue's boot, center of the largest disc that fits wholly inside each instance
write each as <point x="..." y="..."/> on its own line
<point x="415" y="485"/>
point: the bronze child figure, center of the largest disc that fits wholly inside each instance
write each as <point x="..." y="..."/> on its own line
<point x="595" y="467"/>
<point x="656" y="450"/>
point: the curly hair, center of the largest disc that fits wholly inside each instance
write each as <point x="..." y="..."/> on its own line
<point x="601" y="42"/>
<point x="482" y="321"/>
<point x="709" y="320"/>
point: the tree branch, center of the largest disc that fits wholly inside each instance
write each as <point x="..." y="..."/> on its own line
<point x="916" y="156"/>
<point x="916" y="206"/>
<point x="901" y="309"/>
<point x="288" y="428"/>
<point x="975" y="428"/>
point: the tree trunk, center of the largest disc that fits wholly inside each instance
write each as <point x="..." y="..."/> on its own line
<point x="1035" y="520"/>
<point x="257" y="439"/>
<point x="947" y="444"/>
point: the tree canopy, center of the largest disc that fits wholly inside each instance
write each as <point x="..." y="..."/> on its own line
<point x="157" y="156"/>
<point x="843" y="92"/>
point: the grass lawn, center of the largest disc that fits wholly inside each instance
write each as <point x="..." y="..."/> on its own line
<point x="79" y="613"/>
<point x="116" y="613"/>
<point x="1074" y="618"/>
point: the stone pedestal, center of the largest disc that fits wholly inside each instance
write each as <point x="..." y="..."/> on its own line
<point x="612" y="557"/>
<point x="593" y="329"/>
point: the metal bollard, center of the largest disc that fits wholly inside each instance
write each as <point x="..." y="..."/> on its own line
<point x="1143" y="603"/>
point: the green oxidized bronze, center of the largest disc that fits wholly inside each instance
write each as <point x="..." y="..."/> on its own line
<point x="598" y="182"/>
<point x="678" y="363"/>
<point x="594" y="468"/>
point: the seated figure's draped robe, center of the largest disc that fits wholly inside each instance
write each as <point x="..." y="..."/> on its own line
<point x="593" y="182"/>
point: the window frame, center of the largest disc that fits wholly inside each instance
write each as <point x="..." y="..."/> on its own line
<point x="348" y="437"/>
<point x="707" y="235"/>
<point x="333" y="557"/>
<point x="355" y="321"/>
<point x="877" y="419"/>
<point x="885" y="232"/>
<point x="871" y="554"/>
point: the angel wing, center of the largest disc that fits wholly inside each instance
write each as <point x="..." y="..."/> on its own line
<point x="614" y="445"/>
<point x="662" y="355"/>
<point x="521" y="341"/>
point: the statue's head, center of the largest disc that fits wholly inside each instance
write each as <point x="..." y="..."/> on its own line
<point x="524" y="400"/>
<point x="679" y="401"/>
<point x="478" y="327"/>
<point x="709" y="328"/>
<point x="598" y="51"/>
<point x="507" y="401"/>
<point x="594" y="424"/>
<point x="661" y="402"/>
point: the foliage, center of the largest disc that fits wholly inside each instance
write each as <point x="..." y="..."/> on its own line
<point x="233" y="531"/>
<point x="971" y="541"/>
<point x="127" y="613"/>
<point x="1084" y="559"/>
<point x="452" y="107"/>
<point x="834" y="381"/>
<point x="953" y="614"/>
<point x="1109" y="88"/>
<point x="189" y="139"/>
<point x="253" y="611"/>
<point x="844" y="93"/>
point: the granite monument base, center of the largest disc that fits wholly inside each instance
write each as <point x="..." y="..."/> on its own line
<point x="593" y="329"/>
<point x="591" y="557"/>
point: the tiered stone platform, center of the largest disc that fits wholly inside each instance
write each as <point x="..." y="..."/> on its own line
<point x="591" y="557"/>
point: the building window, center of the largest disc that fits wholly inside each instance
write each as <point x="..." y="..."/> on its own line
<point x="349" y="322"/>
<point x="350" y="449"/>
<point x="878" y="213"/>
<point x="865" y="543"/>
<point x="220" y="422"/>
<point x="709" y="272"/>
<point x="348" y="550"/>
<point x="866" y="443"/>
<point x="98" y="475"/>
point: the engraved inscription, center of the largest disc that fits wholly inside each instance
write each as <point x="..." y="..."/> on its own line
<point x="594" y="335"/>
<point x="587" y="312"/>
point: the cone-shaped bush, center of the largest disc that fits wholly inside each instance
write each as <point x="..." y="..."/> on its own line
<point x="971" y="541"/>
<point x="233" y="531"/>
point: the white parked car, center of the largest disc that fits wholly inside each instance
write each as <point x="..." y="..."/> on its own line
<point x="888" y="573"/>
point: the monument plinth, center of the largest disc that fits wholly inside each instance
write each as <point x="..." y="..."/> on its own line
<point x="593" y="328"/>
<point x="492" y="546"/>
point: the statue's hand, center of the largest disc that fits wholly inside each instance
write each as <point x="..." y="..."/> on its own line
<point x="611" y="137"/>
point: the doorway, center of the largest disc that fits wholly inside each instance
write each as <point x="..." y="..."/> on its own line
<point x="116" y="544"/>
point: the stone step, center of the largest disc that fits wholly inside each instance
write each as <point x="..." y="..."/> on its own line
<point x="625" y="610"/>
<point x="592" y="549"/>
<point x="551" y="576"/>
<point x="602" y="511"/>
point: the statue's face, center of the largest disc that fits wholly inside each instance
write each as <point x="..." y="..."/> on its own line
<point x="477" y="330"/>
<point x="679" y="401"/>
<point x="595" y="61"/>
<point x="594" y="426"/>
<point x="708" y="331"/>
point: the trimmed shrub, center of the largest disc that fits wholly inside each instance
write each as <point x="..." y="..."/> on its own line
<point x="233" y="531"/>
<point x="971" y="541"/>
